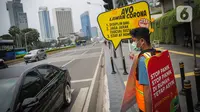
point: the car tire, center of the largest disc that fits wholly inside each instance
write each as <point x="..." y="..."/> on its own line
<point x="36" y="59"/>
<point x="26" y="62"/>
<point x="67" y="95"/>
<point x="45" y="56"/>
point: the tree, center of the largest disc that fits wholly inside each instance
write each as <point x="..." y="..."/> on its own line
<point x="14" y="31"/>
<point x="31" y="35"/>
<point x="6" y="37"/>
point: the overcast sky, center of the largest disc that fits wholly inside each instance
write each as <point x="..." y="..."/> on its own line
<point x="31" y="7"/>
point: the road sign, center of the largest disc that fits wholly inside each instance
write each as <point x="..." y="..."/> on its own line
<point x="162" y="83"/>
<point x="184" y="13"/>
<point x="116" y="24"/>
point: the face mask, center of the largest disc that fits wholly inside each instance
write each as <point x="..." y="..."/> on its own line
<point x="134" y="46"/>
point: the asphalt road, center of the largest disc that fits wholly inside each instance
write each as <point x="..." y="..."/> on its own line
<point x="81" y="63"/>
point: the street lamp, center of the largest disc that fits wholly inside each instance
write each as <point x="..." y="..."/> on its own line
<point x="97" y="5"/>
<point x="26" y="41"/>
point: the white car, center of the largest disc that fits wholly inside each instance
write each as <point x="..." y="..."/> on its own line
<point x="3" y="64"/>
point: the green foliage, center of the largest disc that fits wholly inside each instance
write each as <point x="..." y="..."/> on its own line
<point x="32" y="36"/>
<point x="122" y="3"/>
<point x="163" y="26"/>
<point x="6" y="37"/>
<point x="20" y="56"/>
<point x="14" y="30"/>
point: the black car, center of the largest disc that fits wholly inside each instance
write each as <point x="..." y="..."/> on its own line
<point x="31" y="88"/>
<point x="3" y="64"/>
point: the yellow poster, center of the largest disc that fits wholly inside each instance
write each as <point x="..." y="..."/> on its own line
<point x="116" y="24"/>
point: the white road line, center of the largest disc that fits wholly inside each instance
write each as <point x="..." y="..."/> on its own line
<point x="83" y="80"/>
<point x="68" y="63"/>
<point x="80" y="100"/>
<point x="86" y="106"/>
<point x="72" y="90"/>
<point x="73" y="59"/>
<point x="84" y="52"/>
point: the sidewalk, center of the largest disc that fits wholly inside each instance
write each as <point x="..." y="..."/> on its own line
<point x="115" y="80"/>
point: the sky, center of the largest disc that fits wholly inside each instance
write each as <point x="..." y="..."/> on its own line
<point x="31" y="7"/>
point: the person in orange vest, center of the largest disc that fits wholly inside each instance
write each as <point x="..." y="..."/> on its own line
<point x="141" y="37"/>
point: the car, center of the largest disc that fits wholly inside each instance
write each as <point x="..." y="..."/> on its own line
<point x="35" y="55"/>
<point x="3" y="64"/>
<point x="34" y="88"/>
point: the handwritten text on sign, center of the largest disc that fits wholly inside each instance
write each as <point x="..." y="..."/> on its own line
<point x="116" y="24"/>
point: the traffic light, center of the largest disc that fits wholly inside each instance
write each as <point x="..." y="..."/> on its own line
<point x="108" y="5"/>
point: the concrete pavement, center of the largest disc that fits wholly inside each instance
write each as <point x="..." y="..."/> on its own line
<point x="175" y="58"/>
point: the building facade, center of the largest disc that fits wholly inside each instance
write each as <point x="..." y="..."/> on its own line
<point x="63" y="23"/>
<point x="53" y="32"/>
<point x="16" y="14"/>
<point x="86" y="26"/>
<point x="45" y="24"/>
<point x="94" y="31"/>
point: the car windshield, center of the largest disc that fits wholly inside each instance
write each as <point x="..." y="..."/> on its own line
<point x="33" y="52"/>
<point x="6" y="93"/>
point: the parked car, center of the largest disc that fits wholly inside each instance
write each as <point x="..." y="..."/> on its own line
<point x="35" y="55"/>
<point x="31" y="88"/>
<point x="3" y="64"/>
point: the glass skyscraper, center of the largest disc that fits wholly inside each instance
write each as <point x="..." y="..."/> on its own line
<point x="86" y="26"/>
<point x="45" y="24"/>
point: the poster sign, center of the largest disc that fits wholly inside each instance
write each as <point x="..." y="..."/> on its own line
<point x="116" y="24"/>
<point x="162" y="83"/>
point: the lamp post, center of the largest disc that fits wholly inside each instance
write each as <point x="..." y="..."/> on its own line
<point x="97" y="4"/>
<point x="26" y="41"/>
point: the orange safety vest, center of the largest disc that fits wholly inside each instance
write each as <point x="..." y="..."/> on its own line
<point x="140" y="88"/>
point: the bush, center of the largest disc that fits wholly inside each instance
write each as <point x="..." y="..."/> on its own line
<point x="20" y="56"/>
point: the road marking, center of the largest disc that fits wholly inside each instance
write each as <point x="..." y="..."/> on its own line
<point x="181" y="53"/>
<point x="84" y="52"/>
<point x="176" y="76"/>
<point x="83" y="80"/>
<point x="80" y="100"/>
<point x="86" y="106"/>
<point x="68" y="62"/>
<point x="72" y="90"/>
<point x="74" y="59"/>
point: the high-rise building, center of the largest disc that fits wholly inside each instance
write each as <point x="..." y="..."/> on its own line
<point x="94" y="31"/>
<point x="16" y="13"/>
<point x="85" y="23"/>
<point x="45" y="24"/>
<point x="63" y="23"/>
<point x="53" y="32"/>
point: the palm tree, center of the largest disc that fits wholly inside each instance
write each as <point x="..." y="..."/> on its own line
<point x="121" y="3"/>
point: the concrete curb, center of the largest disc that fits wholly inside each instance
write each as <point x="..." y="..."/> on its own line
<point x="106" y="99"/>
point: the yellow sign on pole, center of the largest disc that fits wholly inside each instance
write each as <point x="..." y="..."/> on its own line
<point x="116" y="24"/>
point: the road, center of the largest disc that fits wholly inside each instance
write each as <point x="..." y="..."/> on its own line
<point x="81" y="63"/>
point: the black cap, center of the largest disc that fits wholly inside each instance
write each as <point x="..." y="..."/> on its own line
<point x="140" y="32"/>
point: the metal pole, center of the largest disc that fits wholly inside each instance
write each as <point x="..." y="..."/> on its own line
<point x="189" y="101"/>
<point x="193" y="45"/>
<point x="26" y="43"/>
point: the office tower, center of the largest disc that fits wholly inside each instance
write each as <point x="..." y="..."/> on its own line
<point x="63" y="23"/>
<point x="45" y="24"/>
<point x="86" y="26"/>
<point x="53" y="32"/>
<point x="16" y="14"/>
<point x="94" y="31"/>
